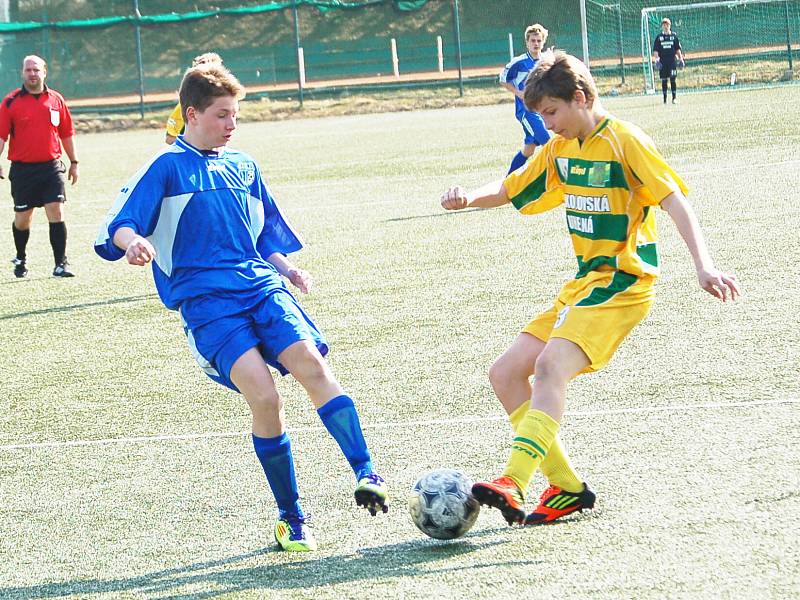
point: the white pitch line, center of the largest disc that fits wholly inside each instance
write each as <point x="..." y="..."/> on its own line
<point x="780" y="163"/>
<point x="396" y="424"/>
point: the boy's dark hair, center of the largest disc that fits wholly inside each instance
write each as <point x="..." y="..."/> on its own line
<point x="203" y="84"/>
<point x="558" y="75"/>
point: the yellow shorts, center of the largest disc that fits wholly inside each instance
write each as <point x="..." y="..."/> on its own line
<point x="596" y="312"/>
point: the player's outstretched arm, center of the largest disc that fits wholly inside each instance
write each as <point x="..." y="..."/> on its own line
<point x="300" y="279"/>
<point x="490" y="195"/>
<point x="138" y="250"/>
<point x="512" y="88"/>
<point x="715" y="282"/>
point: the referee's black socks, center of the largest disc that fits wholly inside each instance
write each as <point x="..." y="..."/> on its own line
<point x="58" y="240"/>
<point x="20" y="240"/>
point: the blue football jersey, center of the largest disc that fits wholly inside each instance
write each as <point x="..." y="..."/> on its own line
<point x="212" y="221"/>
<point x="515" y="73"/>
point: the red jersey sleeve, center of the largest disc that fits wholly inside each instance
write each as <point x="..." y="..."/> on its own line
<point x="65" y="127"/>
<point x="5" y="119"/>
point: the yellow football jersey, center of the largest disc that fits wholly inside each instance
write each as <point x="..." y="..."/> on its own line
<point x="175" y="122"/>
<point x="609" y="185"/>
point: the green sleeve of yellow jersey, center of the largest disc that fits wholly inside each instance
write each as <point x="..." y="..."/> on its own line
<point x="535" y="187"/>
<point x="650" y="168"/>
<point x="175" y="122"/>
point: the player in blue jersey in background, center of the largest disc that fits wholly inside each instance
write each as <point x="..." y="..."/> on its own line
<point x="513" y="78"/>
<point x="202" y="214"/>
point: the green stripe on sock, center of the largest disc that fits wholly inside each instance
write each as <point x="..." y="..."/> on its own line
<point x="532" y="444"/>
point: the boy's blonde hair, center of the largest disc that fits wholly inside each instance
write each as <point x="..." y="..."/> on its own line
<point x="536" y="28"/>
<point x="558" y="75"/>
<point x="202" y="85"/>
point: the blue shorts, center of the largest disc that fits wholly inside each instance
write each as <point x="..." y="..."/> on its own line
<point x="533" y="126"/>
<point x="272" y="325"/>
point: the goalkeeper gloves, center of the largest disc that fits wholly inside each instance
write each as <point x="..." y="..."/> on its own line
<point x="658" y="64"/>
<point x="683" y="62"/>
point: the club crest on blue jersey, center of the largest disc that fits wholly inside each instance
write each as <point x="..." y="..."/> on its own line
<point x="247" y="171"/>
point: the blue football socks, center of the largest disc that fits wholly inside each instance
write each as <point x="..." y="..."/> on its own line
<point x="341" y="420"/>
<point x="519" y="160"/>
<point x="275" y="455"/>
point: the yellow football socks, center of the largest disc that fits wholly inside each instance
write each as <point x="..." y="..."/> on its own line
<point x="534" y="436"/>
<point x="558" y="470"/>
<point x="516" y="416"/>
<point x="555" y="466"/>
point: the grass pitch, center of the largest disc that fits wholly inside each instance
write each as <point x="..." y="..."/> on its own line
<point x="125" y="473"/>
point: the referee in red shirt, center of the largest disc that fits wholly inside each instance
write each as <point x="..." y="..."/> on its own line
<point x="37" y="120"/>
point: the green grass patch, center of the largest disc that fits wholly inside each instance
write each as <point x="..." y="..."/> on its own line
<point x="696" y="500"/>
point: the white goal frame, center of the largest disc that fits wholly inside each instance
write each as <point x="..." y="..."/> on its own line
<point x="647" y="44"/>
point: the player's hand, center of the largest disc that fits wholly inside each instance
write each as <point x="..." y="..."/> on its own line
<point x="300" y="279"/>
<point x="73" y="173"/>
<point x="658" y="65"/>
<point x="682" y="63"/>
<point x="454" y="198"/>
<point x="140" y="251"/>
<point x="719" y="284"/>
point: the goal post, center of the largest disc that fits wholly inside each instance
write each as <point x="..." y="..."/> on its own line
<point x="729" y="42"/>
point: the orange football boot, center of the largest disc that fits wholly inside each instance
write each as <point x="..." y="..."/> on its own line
<point x="555" y="503"/>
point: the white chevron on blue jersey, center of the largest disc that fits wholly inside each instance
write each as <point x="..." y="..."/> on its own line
<point x="210" y="217"/>
<point x="163" y="236"/>
<point x="102" y="235"/>
<point x="517" y="70"/>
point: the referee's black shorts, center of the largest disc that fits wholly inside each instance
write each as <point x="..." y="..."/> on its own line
<point x="35" y="184"/>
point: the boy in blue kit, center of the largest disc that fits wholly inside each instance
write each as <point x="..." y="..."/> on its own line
<point x="202" y="214"/>
<point x="512" y="78"/>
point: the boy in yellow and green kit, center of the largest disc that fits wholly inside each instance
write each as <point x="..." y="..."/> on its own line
<point x="610" y="177"/>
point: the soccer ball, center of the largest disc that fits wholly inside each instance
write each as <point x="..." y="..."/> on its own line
<point x="442" y="505"/>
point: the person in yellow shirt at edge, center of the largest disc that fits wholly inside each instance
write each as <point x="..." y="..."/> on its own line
<point x="609" y="176"/>
<point x="175" y="124"/>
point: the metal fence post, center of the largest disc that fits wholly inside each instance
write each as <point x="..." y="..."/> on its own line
<point x="619" y="43"/>
<point x="584" y="33"/>
<point x="457" y="27"/>
<point x="300" y="68"/>
<point x="46" y="36"/>
<point x="137" y="14"/>
<point x="788" y="35"/>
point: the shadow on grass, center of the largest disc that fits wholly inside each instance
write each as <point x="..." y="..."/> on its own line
<point x="444" y="213"/>
<point x="71" y="307"/>
<point x="218" y="577"/>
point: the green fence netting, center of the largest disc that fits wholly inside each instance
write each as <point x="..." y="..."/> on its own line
<point x="92" y="51"/>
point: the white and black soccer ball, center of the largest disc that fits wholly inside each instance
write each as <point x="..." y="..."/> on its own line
<point x="442" y="505"/>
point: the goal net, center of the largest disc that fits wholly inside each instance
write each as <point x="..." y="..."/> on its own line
<point x="727" y="43"/>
